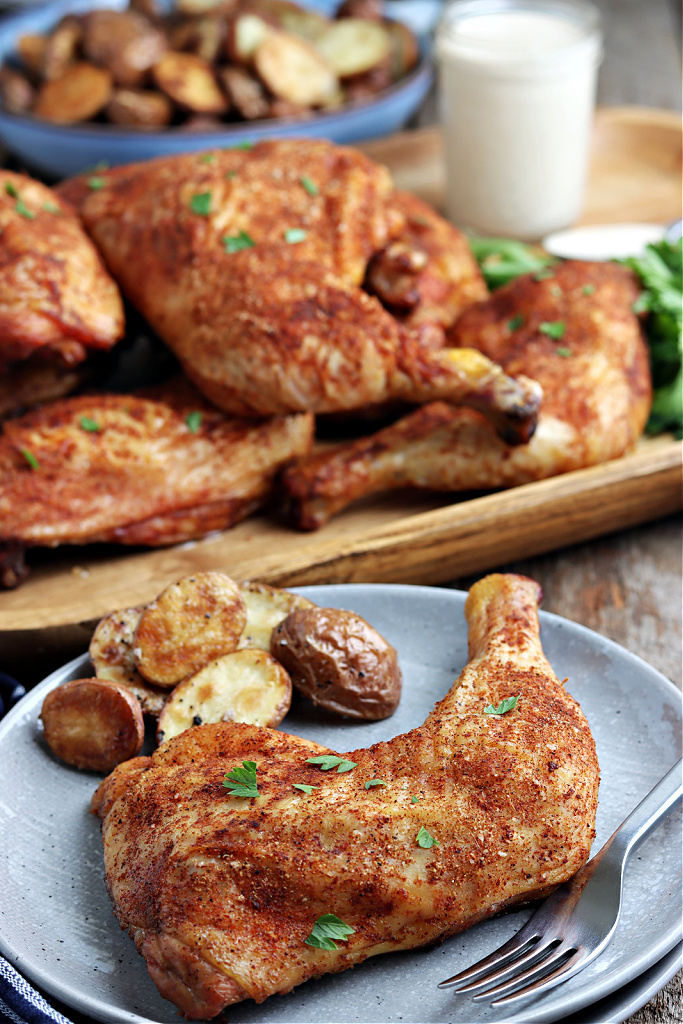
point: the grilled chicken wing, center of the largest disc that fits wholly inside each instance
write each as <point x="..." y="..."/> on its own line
<point x="220" y="892"/>
<point x="574" y="332"/>
<point x="249" y="266"/>
<point x="153" y="468"/>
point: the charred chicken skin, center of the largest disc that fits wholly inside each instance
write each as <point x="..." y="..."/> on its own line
<point x="574" y="332"/>
<point x="250" y="266"/>
<point x="220" y="892"/>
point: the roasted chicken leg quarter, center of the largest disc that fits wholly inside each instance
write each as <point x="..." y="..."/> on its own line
<point x="221" y="892"/>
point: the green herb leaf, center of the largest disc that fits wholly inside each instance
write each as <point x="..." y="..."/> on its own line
<point x="11" y="190"/>
<point x="303" y="787"/>
<point x="95" y="183"/>
<point x="565" y="352"/>
<point x="374" y="782"/>
<point x="503" y="259"/>
<point x="293" y="235"/>
<point x="516" y="322"/>
<point x="326" y="930"/>
<point x="229" y="175"/>
<point x="414" y="799"/>
<point x="327" y="761"/>
<point x="23" y="210"/>
<point x="505" y="705"/>
<point x="207" y="158"/>
<point x="30" y="458"/>
<point x="309" y="185"/>
<point x="234" y="243"/>
<point x="425" y="839"/>
<point x="90" y="425"/>
<point x="242" y="781"/>
<point x="193" y="421"/>
<point x="51" y="208"/>
<point x="553" y="328"/>
<point x="544" y="274"/>
<point x="200" y="203"/>
<point x="588" y="289"/>
<point x="243" y="145"/>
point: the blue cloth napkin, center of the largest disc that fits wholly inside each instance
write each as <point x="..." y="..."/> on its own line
<point x="21" y="1004"/>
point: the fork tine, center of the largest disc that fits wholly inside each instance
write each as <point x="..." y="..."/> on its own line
<point x="554" y="963"/>
<point x="565" y="970"/>
<point x="540" y="951"/>
<point x="510" y="950"/>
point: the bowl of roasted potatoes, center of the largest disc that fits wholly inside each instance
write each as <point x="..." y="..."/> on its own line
<point x="116" y="81"/>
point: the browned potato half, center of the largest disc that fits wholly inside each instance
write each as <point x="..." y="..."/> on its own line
<point x="123" y="42"/>
<point x="31" y="48"/>
<point x="93" y="724"/>
<point x="203" y="36"/>
<point x="245" y="92"/>
<point x="353" y="46"/>
<point x="150" y="9"/>
<point x="267" y="607"/>
<point x="404" y="50"/>
<point x="363" y="86"/>
<point x="339" y="661"/>
<point x="78" y="95"/>
<point x="193" y="621"/>
<point x="16" y="91"/>
<point x="139" y="108"/>
<point x="62" y="48"/>
<point x="285" y="108"/>
<point x="246" y="32"/>
<point x="293" y="70"/>
<point x="190" y="82"/>
<point x="245" y="686"/>
<point x="111" y="653"/>
<point x="196" y="8"/>
<point x="293" y="18"/>
<point x="373" y="10"/>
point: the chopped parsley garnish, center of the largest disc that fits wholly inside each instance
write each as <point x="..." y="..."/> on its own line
<point x="414" y="799"/>
<point x="326" y="930"/>
<point x="544" y="274"/>
<point x="327" y="761"/>
<point x="425" y="839"/>
<point x="11" y="190"/>
<point x="293" y="235"/>
<point x="516" y="322"/>
<point x="553" y="328"/>
<point x="502" y="259"/>
<point x="303" y="787"/>
<point x="234" y="243"/>
<point x="374" y="782"/>
<point x="309" y="185"/>
<point x="23" y="210"/>
<point x="193" y="421"/>
<point x="207" y="158"/>
<point x="505" y="705"/>
<point x="588" y="289"/>
<point x="96" y="183"/>
<point x="564" y="352"/>
<point x="88" y="424"/>
<point x="242" y="781"/>
<point x="51" y="208"/>
<point x="30" y="458"/>
<point x="243" y="145"/>
<point x="229" y="175"/>
<point x="200" y="203"/>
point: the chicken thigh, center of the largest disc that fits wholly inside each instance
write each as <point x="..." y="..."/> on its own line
<point x="220" y="892"/>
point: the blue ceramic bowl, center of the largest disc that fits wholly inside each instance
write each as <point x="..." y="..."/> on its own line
<point x="62" y="150"/>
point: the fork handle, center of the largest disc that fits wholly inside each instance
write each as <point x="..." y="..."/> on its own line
<point x="644" y="818"/>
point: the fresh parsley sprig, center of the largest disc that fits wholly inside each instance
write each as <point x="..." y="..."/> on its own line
<point x="327" y="931"/>
<point x="509" y="704"/>
<point x="502" y="259"/>
<point x="327" y="761"/>
<point x="425" y="839"/>
<point x="242" y="781"/>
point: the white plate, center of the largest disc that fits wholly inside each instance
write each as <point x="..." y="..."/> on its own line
<point x="56" y="922"/>
<point x="603" y="241"/>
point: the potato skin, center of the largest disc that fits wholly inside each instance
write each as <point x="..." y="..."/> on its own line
<point x="339" y="661"/>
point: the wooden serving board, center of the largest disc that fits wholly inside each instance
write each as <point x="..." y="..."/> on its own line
<point x="405" y="537"/>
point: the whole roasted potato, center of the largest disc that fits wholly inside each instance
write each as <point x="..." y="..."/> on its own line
<point x="339" y="661"/>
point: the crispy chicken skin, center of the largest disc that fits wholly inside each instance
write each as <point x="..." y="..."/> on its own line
<point x="220" y="892"/>
<point x="282" y="324"/>
<point x="596" y="386"/>
<point x="133" y="469"/>
<point x="55" y="293"/>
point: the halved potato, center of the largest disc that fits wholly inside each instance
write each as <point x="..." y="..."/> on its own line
<point x="16" y="91"/>
<point x="111" y="653"/>
<point x="339" y="661"/>
<point x="123" y="42"/>
<point x="143" y="108"/>
<point x="245" y="92"/>
<point x="78" y="95"/>
<point x="93" y="724"/>
<point x="190" y="82"/>
<point x="203" y="36"/>
<point x="294" y="70"/>
<point x="31" y="48"/>
<point x="404" y="50"/>
<point x="245" y="686"/>
<point x="193" y="621"/>
<point x="267" y="607"/>
<point x="246" y="32"/>
<point x="61" y="50"/>
<point x="296" y="19"/>
<point x="353" y="46"/>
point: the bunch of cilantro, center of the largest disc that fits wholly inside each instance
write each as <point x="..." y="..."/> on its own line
<point x="660" y="271"/>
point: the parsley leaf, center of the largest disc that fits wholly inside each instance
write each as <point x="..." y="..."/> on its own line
<point x="516" y="322"/>
<point x="309" y="185"/>
<point x="51" y="208"/>
<point x="505" y="705"/>
<point x="326" y="929"/>
<point x="243" y="145"/>
<point x="207" y="158"/>
<point x="327" y="761"/>
<point x="565" y="352"/>
<point x="425" y="839"/>
<point x="375" y="782"/>
<point x="242" y="781"/>
<point x="23" y="210"/>
<point x="502" y="259"/>
<point x="229" y="175"/>
<point x="293" y="235"/>
<point x="90" y="425"/>
<point x="11" y="190"/>
<point x="544" y="274"/>
<point x="193" y="421"/>
<point x="200" y="203"/>
<point x="234" y="243"/>
<point x="303" y="787"/>
<point x="553" y="328"/>
<point x="414" y="799"/>
<point x="30" y="458"/>
<point x="96" y="183"/>
<point x="588" y="289"/>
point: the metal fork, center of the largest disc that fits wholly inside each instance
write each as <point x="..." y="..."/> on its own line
<point x="577" y="921"/>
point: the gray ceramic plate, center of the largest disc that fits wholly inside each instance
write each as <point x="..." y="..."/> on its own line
<point x="56" y="924"/>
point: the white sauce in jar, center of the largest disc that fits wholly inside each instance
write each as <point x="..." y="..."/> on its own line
<point x="517" y="91"/>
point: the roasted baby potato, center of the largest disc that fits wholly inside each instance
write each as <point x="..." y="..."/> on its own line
<point x="142" y="108"/>
<point x="81" y="92"/>
<point x="245" y="92"/>
<point x="245" y="686"/>
<point x="267" y="607"/>
<point x="111" y="653"/>
<point x="61" y="50"/>
<point x="190" y="82"/>
<point x="16" y="91"/>
<point x="339" y="661"/>
<point x="246" y="32"/>
<point x="294" y="70"/>
<point x="93" y="724"/>
<point x="353" y="46"/>
<point x="192" y="622"/>
<point x="124" y="43"/>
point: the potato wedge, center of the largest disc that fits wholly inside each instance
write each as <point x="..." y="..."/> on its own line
<point x="293" y="70"/>
<point x="93" y="724"/>
<point x="111" y="653"/>
<point x="62" y="48"/>
<point x="31" y="48"/>
<point x="339" y="661"/>
<point x="192" y="622"/>
<point x="245" y="92"/>
<point x="353" y="46"/>
<point x="296" y="19"/>
<point x="16" y="91"/>
<point x="190" y="82"/>
<point x="267" y="607"/>
<point x="123" y="42"/>
<point x="142" y="108"/>
<point x="78" y="95"/>
<point x="371" y="10"/>
<point x="204" y="37"/>
<point x="245" y="686"/>
<point x="246" y="32"/>
<point x="404" y="51"/>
